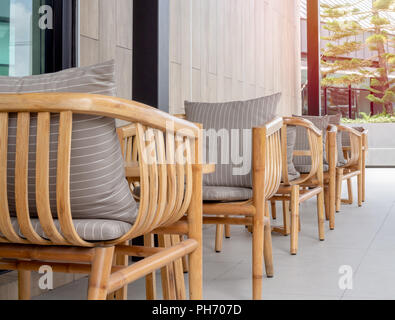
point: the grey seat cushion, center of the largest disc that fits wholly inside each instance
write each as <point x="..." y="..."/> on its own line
<point x="226" y="194"/>
<point x="228" y="134"/>
<point x="87" y="229"/>
<point x="98" y="188"/>
<point x="335" y="120"/>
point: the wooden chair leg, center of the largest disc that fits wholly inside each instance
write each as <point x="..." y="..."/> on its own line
<point x="274" y="209"/>
<point x="332" y="201"/>
<point x="122" y="260"/>
<point x="286" y="216"/>
<point x="350" y="199"/>
<point x="364" y="177"/>
<point x="294" y="219"/>
<point x="195" y="224"/>
<point x="179" y="272"/>
<point x="24" y="285"/>
<point x="227" y="231"/>
<point x="150" y="280"/>
<point x="100" y="274"/>
<point x="167" y="272"/>
<point x="321" y="217"/>
<point x="184" y="259"/>
<point x="360" y="190"/>
<point x="219" y="236"/>
<point x="326" y="203"/>
<point x="257" y="253"/>
<point x="339" y="182"/>
<point x="268" y="251"/>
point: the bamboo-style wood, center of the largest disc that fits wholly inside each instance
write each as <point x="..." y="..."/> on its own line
<point x="266" y="180"/>
<point x="178" y="272"/>
<point x="307" y="186"/>
<point x="355" y="166"/>
<point x="195" y="221"/>
<point x="150" y="279"/>
<point x="155" y="262"/>
<point x="24" y="285"/>
<point x="100" y="274"/>
<point x="227" y="231"/>
<point x="169" y="190"/>
<point x="167" y="272"/>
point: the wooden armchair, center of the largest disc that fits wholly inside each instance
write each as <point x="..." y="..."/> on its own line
<point x="266" y="171"/>
<point x="355" y="155"/>
<point x="304" y="188"/>
<point x="170" y="188"/>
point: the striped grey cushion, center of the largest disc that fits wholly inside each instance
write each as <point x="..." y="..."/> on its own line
<point x="302" y="142"/>
<point x="88" y="230"/>
<point x="239" y="117"/>
<point x="98" y="186"/>
<point x="346" y="141"/>
<point x="211" y="193"/>
<point x="335" y="120"/>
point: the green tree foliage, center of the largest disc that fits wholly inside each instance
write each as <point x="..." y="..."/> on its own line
<point x="345" y="22"/>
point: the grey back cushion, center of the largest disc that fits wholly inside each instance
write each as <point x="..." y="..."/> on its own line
<point x="293" y="174"/>
<point x="303" y="164"/>
<point x="98" y="188"/>
<point x="231" y="118"/>
<point x="335" y="120"/>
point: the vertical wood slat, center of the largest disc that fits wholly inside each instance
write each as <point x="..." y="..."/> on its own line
<point x="5" y="221"/>
<point x="162" y="177"/>
<point x="42" y="179"/>
<point x="171" y="175"/>
<point x="21" y="179"/>
<point x="144" y="179"/>
<point x="150" y="145"/>
<point x="187" y="196"/>
<point x="63" y="181"/>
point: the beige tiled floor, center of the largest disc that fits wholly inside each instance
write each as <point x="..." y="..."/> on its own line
<point x="364" y="239"/>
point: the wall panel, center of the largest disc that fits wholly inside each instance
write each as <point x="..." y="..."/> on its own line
<point x="107" y="33"/>
<point x="235" y="49"/>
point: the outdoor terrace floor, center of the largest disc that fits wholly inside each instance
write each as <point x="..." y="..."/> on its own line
<point x="364" y="239"/>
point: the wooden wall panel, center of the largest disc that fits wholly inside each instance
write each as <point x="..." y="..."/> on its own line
<point x="225" y="50"/>
<point x="107" y="33"/>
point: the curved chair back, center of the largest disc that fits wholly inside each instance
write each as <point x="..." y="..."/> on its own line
<point x="168" y="147"/>
<point x="315" y="152"/>
<point x="273" y="161"/>
<point x="354" y="152"/>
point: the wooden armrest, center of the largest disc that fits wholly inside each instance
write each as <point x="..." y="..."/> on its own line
<point x="301" y="122"/>
<point x="349" y="130"/>
<point x="273" y="126"/>
<point x="127" y="131"/>
<point x="113" y="107"/>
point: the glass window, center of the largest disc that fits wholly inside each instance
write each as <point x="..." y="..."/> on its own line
<point x="4" y="37"/>
<point x="21" y="40"/>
